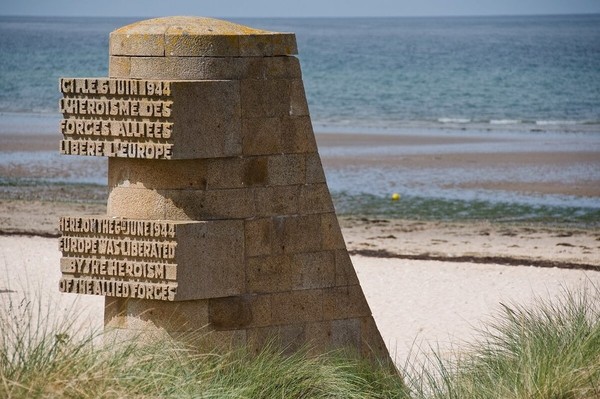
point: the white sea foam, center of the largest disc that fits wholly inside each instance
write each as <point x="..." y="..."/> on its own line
<point x="552" y="123"/>
<point x="454" y="120"/>
<point x="505" y="122"/>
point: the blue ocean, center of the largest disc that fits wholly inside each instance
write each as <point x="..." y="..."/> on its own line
<point x="379" y="73"/>
<point x="530" y="76"/>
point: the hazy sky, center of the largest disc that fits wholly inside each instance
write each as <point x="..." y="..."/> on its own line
<point x="296" y="8"/>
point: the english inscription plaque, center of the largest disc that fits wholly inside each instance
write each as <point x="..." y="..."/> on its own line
<point x="147" y="259"/>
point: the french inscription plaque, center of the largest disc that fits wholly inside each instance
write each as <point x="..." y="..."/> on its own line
<point x="145" y="119"/>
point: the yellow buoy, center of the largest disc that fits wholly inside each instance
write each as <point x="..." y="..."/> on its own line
<point x="395" y="197"/>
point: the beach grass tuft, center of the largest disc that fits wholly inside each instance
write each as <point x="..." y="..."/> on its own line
<point x="549" y="350"/>
<point x="40" y="358"/>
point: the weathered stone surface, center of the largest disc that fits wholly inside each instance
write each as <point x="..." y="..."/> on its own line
<point x="259" y="233"/>
<point x="315" y="198"/>
<point x="189" y="174"/>
<point x="172" y="316"/>
<point x="119" y="67"/>
<point x="204" y="68"/>
<point x="296" y="307"/>
<point x="331" y="232"/>
<point x="345" y="302"/>
<point x="314" y="169"/>
<point x="277" y="200"/>
<point x="344" y="271"/>
<point x="198" y="37"/>
<point x="287" y="169"/>
<point x="230" y="313"/>
<point x="346" y="333"/>
<point x="181" y="204"/>
<point x="298" y="233"/>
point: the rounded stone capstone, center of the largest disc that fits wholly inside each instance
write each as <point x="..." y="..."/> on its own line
<point x="198" y="37"/>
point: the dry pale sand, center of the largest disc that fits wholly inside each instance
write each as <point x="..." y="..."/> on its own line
<point x="420" y="305"/>
<point x="417" y="304"/>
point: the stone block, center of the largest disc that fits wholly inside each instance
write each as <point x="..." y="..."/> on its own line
<point x="256" y="171"/>
<point x="135" y="203"/>
<point x="287" y="170"/>
<point x="265" y="98"/>
<point x="213" y="68"/>
<point x="313" y="270"/>
<point x="197" y="36"/>
<point x="372" y="345"/>
<point x="180" y="42"/>
<point x="331" y="232"/>
<point x="315" y="198"/>
<point x="140" y="314"/>
<point x="284" y="44"/>
<point x="230" y="313"/>
<point x="207" y="120"/>
<point x="214" y="260"/>
<point x="258" y="233"/>
<point x="298" y="135"/>
<point x="260" y="306"/>
<point x="344" y="303"/>
<point x="277" y="200"/>
<point x="256" y="45"/>
<point x="240" y="312"/>
<point x="344" y="271"/>
<point x="119" y="67"/>
<point x="278" y="273"/>
<point x="314" y="169"/>
<point x="151" y="43"/>
<point x="318" y="336"/>
<point x="286" y="338"/>
<point x="217" y="341"/>
<point x="185" y="68"/>
<point x="296" y="234"/>
<point x="208" y="205"/>
<point x="270" y="68"/>
<point x="151" y="119"/>
<point x="292" y="337"/>
<point x="346" y="333"/>
<point x="272" y="44"/>
<point x="298" y="104"/>
<point x="136" y="258"/>
<point x="265" y="274"/>
<point x="188" y="174"/>
<point x="259" y="338"/>
<point x="297" y="307"/>
<point x="262" y="136"/>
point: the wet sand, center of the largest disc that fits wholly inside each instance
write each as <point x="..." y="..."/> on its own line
<point x="544" y="163"/>
<point x="438" y="163"/>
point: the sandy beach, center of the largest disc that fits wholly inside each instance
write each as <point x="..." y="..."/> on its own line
<point x="417" y="304"/>
<point x="428" y="282"/>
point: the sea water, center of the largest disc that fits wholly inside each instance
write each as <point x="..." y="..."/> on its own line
<point x="367" y="72"/>
<point x="523" y="75"/>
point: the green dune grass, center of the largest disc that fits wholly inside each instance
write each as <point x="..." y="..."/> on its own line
<point x="550" y="350"/>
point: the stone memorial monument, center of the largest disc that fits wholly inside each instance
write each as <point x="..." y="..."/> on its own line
<point x="219" y="216"/>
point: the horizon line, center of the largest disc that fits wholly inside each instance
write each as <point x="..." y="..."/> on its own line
<point x="314" y="16"/>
